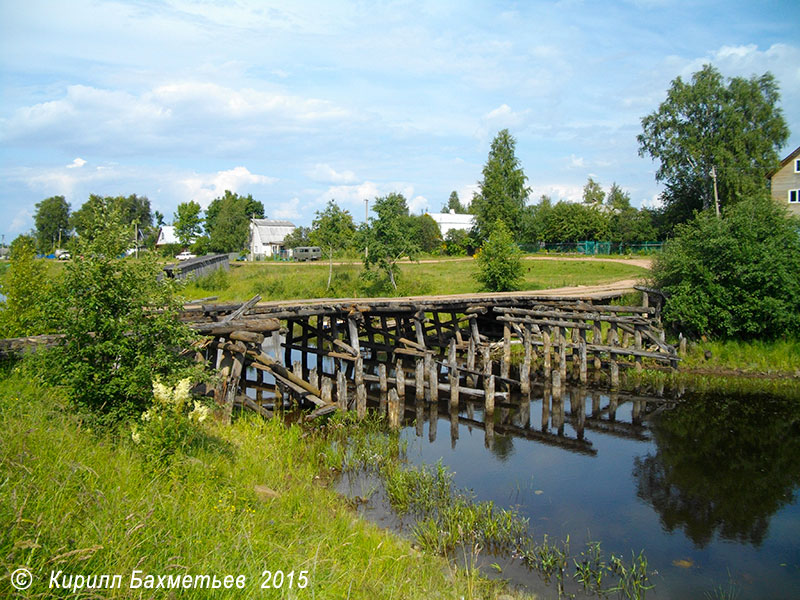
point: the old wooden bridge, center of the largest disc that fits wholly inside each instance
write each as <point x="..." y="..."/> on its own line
<point x="334" y="353"/>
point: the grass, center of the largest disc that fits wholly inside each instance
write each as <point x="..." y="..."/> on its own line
<point x="284" y="281"/>
<point x="246" y="498"/>
<point x="777" y="357"/>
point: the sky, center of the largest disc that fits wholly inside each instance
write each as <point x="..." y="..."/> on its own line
<point x="298" y="103"/>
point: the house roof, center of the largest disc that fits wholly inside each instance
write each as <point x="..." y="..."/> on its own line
<point x="166" y="235"/>
<point x="452" y="220"/>
<point x="786" y="161"/>
<point x="272" y="231"/>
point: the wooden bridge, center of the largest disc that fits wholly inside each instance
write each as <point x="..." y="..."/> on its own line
<point x="333" y="353"/>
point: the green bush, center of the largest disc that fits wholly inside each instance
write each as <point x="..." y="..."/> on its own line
<point x="738" y="276"/>
<point x="28" y="308"/>
<point x="121" y="325"/>
<point x="499" y="261"/>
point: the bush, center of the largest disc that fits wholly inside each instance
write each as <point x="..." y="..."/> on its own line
<point x="499" y="261"/>
<point x="738" y="276"/>
<point x="121" y="325"/>
<point x="28" y="307"/>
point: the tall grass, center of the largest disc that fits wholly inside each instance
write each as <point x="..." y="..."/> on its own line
<point x="247" y="498"/>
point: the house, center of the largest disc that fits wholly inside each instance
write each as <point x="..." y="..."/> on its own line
<point x="166" y="235"/>
<point x="266" y="237"/>
<point x="785" y="182"/>
<point x="452" y="220"/>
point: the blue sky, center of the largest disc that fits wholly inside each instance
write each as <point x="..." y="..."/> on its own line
<point x="300" y="102"/>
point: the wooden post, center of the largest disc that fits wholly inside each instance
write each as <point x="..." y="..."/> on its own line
<point x="562" y="354"/>
<point x="419" y="380"/>
<point x="471" y="362"/>
<point x="597" y="339"/>
<point x="486" y="360"/>
<point x="433" y="381"/>
<point x="557" y="384"/>
<point x="453" y="426"/>
<point x="546" y="353"/>
<point x="525" y="369"/>
<point x="682" y="347"/>
<point x="320" y="342"/>
<point x="361" y="389"/>
<point x="313" y="377"/>
<point x="505" y="365"/>
<point x="578" y="407"/>
<point x="453" y="373"/>
<point x="489" y="400"/>
<point x="327" y="389"/>
<point x="583" y="356"/>
<point x="433" y="421"/>
<point x="546" y="405"/>
<point x="382" y="383"/>
<point x="287" y="354"/>
<point x="400" y="378"/>
<point x="637" y="341"/>
<point x="612" y="358"/>
<point x="297" y="369"/>
<point x="341" y="390"/>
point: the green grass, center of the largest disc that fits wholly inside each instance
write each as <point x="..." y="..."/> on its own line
<point x="780" y="356"/>
<point x="283" y="281"/>
<point x="85" y="502"/>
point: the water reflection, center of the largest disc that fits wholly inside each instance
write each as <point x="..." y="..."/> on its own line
<point x="722" y="465"/>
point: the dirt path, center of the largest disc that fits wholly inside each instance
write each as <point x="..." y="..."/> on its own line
<point x="645" y="263"/>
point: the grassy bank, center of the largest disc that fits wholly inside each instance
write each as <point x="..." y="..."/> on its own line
<point x="244" y="499"/>
<point x="283" y="281"/>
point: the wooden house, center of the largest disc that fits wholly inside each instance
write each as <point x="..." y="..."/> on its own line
<point x="266" y="237"/>
<point x="785" y="182"/>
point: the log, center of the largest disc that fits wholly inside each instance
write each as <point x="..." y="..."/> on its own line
<point x="255" y="325"/>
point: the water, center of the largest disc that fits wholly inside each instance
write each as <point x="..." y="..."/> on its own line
<point x="706" y="486"/>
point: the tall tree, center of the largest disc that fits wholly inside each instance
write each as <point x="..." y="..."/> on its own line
<point x="332" y="229"/>
<point x="618" y="199"/>
<point x="129" y="210"/>
<point x="499" y="261"/>
<point x="389" y="236"/>
<point x="52" y="223"/>
<point x="707" y="133"/>
<point x="159" y="219"/>
<point x="593" y="194"/>
<point x="502" y="193"/>
<point x="188" y="223"/>
<point x="228" y="220"/>
<point x="454" y="204"/>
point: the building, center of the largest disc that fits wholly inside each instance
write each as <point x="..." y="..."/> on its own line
<point x="266" y="237"/>
<point x="166" y="235"/>
<point x="785" y="182"/>
<point x="452" y="220"/>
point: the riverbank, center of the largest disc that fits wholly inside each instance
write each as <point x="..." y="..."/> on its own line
<point x="242" y="500"/>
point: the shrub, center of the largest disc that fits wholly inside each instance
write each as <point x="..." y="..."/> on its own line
<point x="28" y="307"/>
<point x="120" y="323"/>
<point x="738" y="276"/>
<point x="499" y="261"/>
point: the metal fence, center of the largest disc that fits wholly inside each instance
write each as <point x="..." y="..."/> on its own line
<point x="592" y="248"/>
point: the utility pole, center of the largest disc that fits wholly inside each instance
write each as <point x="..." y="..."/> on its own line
<point x="716" y="195"/>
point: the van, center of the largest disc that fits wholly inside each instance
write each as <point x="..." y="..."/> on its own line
<point x="302" y="253"/>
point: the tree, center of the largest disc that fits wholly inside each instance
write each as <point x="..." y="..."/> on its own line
<point x="456" y="242"/>
<point x="298" y="237"/>
<point x="618" y="200"/>
<point x="593" y="194"/>
<point x="499" y="261"/>
<point x="535" y="221"/>
<point x="131" y="210"/>
<point x="389" y="237"/>
<point x="735" y="277"/>
<point x="187" y="222"/>
<point x="706" y="131"/>
<point x="427" y="233"/>
<point x="159" y="219"/>
<point x="454" y="204"/>
<point x="332" y="229"/>
<point x="52" y="223"/>
<point x="228" y="221"/>
<point x="571" y="222"/>
<point x="502" y="193"/>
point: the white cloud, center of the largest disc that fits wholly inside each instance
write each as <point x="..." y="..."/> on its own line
<point x="204" y="187"/>
<point x="76" y="164"/>
<point x="576" y="161"/>
<point x="288" y="210"/>
<point x="326" y="174"/>
<point x="418" y="204"/>
<point x="557" y="191"/>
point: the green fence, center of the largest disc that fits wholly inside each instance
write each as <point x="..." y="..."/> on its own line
<point x="593" y="248"/>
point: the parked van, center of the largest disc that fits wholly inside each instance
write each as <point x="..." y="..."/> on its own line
<point x="307" y="253"/>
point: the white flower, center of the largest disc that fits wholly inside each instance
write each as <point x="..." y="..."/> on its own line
<point x="162" y="393"/>
<point x="200" y="412"/>
<point x="136" y="437"/>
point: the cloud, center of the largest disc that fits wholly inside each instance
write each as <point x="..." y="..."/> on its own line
<point x="576" y="161"/>
<point x="418" y="204"/>
<point x="204" y="187"/>
<point x="287" y="210"/>
<point x="326" y="174"/>
<point x="191" y="116"/>
<point x="76" y="164"/>
<point x="502" y="117"/>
